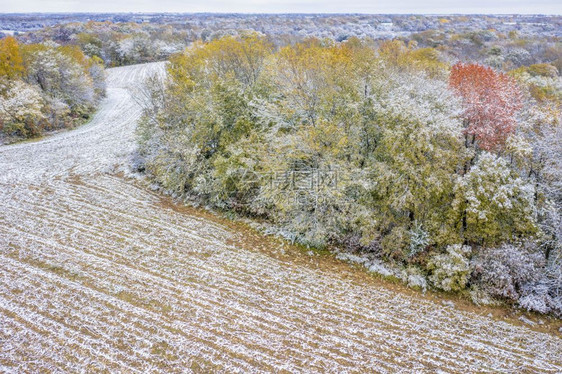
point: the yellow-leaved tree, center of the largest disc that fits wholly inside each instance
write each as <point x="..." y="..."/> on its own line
<point x="11" y="63"/>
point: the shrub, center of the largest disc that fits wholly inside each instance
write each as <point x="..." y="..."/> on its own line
<point x="545" y="295"/>
<point x="504" y="271"/>
<point x="396" y="243"/>
<point x="450" y="271"/>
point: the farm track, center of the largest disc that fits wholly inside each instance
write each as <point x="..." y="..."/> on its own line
<point x="97" y="274"/>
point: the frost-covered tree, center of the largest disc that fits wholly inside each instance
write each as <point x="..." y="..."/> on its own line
<point x="450" y="271"/>
<point x="210" y="86"/>
<point x="66" y="74"/>
<point x="60" y="75"/>
<point x="491" y="101"/>
<point x="546" y="172"/>
<point x="21" y="110"/>
<point x="417" y="152"/>
<point x="97" y="73"/>
<point x="499" y="205"/>
<point x="61" y="81"/>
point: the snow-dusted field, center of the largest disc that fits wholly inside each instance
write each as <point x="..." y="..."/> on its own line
<point x="98" y="274"/>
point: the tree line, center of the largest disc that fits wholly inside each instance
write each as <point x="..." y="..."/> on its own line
<point x="452" y="172"/>
<point x="46" y="87"/>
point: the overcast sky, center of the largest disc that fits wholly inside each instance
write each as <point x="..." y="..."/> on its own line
<point x="291" y="6"/>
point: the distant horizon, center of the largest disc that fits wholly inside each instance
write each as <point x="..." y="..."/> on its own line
<point x="298" y="13"/>
<point x="364" y="7"/>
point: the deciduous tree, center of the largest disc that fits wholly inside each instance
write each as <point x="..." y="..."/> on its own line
<point x="491" y="101"/>
<point x="11" y="63"/>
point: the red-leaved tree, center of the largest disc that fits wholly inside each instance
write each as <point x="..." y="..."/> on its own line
<point x="490" y="100"/>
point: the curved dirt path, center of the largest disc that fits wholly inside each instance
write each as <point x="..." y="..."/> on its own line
<point x="99" y="274"/>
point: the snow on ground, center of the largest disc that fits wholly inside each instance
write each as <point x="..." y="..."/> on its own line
<point x="97" y="274"/>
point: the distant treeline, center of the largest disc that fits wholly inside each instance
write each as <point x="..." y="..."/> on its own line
<point x="504" y="42"/>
